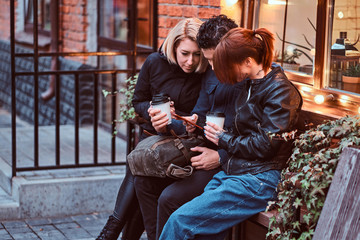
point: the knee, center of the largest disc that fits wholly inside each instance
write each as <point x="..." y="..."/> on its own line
<point x="165" y="198"/>
<point x="139" y="184"/>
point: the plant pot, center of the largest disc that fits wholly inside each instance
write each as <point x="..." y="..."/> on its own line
<point x="291" y="66"/>
<point x="351" y="84"/>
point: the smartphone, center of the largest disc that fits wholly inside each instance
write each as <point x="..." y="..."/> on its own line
<point x="184" y="119"/>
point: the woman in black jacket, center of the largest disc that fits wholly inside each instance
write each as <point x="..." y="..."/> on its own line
<point x="176" y="70"/>
<point x="269" y="104"/>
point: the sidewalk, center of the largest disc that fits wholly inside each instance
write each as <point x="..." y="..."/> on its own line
<point x="79" y="227"/>
<point x="76" y="226"/>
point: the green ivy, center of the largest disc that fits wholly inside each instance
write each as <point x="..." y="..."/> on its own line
<point x="126" y="110"/>
<point x="307" y="178"/>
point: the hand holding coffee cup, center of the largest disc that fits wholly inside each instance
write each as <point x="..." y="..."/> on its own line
<point x="217" y="118"/>
<point x="162" y="102"/>
<point x="214" y="126"/>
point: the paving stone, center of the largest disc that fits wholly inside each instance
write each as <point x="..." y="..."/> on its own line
<point x="4" y="235"/>
<point x="56" y="220"/>
<point x="37" y="222"/>
<point x="25" y="236"/>
<point x="69" y="225"/>
<point x="14" y="224"/>
<point x="85" y="218"/>
<point x="53" y="235"/>
<point x="40" y="228"/>
<point x="48" y="232"/>
<point x="18" y="230"/>
<point x="76" y="233"/>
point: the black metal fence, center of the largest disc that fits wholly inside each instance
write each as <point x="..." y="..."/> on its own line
<point x="97" y="73"/>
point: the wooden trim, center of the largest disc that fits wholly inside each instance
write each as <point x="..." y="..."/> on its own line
<point x="320" y="45"/>
<point x="338" y="103"/>
<point x="300" y="77"/>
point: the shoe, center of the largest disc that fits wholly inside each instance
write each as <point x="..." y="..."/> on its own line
<point x="111" y="230"/>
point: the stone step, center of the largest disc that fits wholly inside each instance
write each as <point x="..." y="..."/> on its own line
<point x="9" y="208"/>
<point x="5" y="176"/>
<point x="62" y="192"/>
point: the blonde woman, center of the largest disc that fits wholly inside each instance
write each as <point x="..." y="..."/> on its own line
<point x="176" y="70"/>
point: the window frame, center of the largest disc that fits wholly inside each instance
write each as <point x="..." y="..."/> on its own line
<point x="29" y="26"/>
<point x="115" y="44"/>
<point x="338" y="103"/>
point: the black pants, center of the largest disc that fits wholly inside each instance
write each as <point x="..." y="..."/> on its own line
<point x="127" y="209"/>
<point x="159" y="197"/>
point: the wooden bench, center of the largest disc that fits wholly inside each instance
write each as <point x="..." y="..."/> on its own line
<point x="341" y="212"/>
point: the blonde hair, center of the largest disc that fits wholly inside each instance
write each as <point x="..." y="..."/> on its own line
<point x="186" y="28"/>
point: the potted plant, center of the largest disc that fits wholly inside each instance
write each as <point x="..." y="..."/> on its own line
<point x="307" y="178"/>
<point x="351" y="78"/>
<point x="289" y="60"/>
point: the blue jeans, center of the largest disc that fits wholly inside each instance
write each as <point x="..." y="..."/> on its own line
<point x="227" y="200"/>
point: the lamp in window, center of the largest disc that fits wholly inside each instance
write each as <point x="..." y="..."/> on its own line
<point x="340" y="14"/>
<point x="230" y="2"/>
<point x="276" y="2"/>
<point x="320" y="99"/>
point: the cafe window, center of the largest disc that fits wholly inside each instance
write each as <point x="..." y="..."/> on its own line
<point x="294" y="33"/>
<point x="344" y="46"/>
<point x="44" y="22"/>
<point x="115" y="23"/>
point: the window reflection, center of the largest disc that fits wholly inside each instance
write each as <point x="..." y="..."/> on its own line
<point x="344" y="60"/>
<point x="43" y="14"/>
<point x="113" y="19"/>
<point x="294" y="47"/>
<point x="144" y="22"/>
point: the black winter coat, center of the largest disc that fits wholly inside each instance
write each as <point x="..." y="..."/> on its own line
<point x="273" y="106"/>
<point x="157" y="75"/>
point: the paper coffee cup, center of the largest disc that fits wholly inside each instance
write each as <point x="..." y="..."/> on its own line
<point x="217" y="118"/>
<point x="162" y="102"/>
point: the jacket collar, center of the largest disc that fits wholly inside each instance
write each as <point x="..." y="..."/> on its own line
<point x="274" y="70"/>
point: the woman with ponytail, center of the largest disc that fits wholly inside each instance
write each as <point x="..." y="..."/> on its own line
<point x="269" y="104"/>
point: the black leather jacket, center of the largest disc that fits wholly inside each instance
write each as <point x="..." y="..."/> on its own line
<point x="157" y="75"/>
<point x="268" y="105"/>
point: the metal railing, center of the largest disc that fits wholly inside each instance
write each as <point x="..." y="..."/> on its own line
<point x="132" y="54"/>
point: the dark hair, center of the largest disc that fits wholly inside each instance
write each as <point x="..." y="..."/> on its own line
<point x="239" y="44"/>
<point x="213" y="29"/>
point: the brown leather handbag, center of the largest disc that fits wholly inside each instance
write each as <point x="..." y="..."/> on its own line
<point x="161" y="156"/>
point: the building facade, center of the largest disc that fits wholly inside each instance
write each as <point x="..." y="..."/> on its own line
<point x="317" y="42"/>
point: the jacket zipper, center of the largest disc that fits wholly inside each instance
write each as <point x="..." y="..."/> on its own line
<point x="228" y="166"/>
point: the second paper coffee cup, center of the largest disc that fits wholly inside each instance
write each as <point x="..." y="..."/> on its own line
<point x="161" y="101"/>
<point x="216" y="117"/>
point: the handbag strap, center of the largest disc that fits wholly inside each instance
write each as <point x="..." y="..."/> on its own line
<point x="177" y="172"/>
<point x="182" y="148"/>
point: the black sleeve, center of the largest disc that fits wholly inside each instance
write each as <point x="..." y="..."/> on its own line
<point x="142" y="94"/>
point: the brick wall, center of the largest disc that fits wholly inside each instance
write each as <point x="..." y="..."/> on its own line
<point x="74" y="19"/>
<point x="73" y="27"/>
<point x="25" y="89"/>
<point x="172" y="11"/>
<point x="5" y="19"/>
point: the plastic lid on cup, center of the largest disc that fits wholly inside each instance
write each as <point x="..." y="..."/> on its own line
<point x="160" y="99"/>
<point x="215" y="114"/>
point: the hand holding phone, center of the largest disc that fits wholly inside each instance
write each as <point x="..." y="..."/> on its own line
<point x="187" y="121"/>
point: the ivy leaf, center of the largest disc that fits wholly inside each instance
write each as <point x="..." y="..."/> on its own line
<point x="105" y="93"/>
<point x="297" y="203"/>
<point x="296" y="225"/>
<point x="307" y="218"/>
